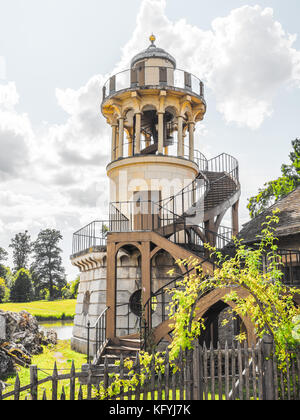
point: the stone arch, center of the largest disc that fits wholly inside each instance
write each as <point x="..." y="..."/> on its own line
<point x="149" y="107"/>
<point x="198" y="116"/>
<point x="173" y="110"/>
<point x="186" y="110"/>
<point x="203" y="305"/>
<point x="117" y="111"/>
<point x="128" y="114"/>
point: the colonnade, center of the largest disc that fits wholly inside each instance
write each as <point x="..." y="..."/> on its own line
<point x="134" y="147"/>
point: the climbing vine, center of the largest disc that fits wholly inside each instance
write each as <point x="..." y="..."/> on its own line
<point x="268" y="304"/>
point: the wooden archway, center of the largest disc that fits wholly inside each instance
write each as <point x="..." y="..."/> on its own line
<point x="203" y="305"/>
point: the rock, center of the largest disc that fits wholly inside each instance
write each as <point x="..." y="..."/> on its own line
<point x="24" y="338"/>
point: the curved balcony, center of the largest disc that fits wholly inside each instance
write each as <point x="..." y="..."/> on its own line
<point x="127" y="150"/>
<point x="150" y="77"/>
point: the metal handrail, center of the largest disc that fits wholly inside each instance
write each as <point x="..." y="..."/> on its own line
<point x="199" y="157"/>
<point x="100" y="326"/>
<point x="90" y="236"/>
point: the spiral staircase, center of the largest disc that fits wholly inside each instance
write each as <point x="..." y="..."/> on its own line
<point x="181" y="225"/>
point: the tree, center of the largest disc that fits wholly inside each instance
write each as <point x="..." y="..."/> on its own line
<point x="274" y="190"/>
<point x="4" y="291"/>
<point x="47" y="267"/>
<point x="3" y="257"/>
<point x="22" y="247"/>
<point x="22" y="289"/>
<point x="70" y="291"/>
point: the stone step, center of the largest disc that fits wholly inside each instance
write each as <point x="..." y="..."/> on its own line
<point x="112" y="349"/>
<point x="131" y="343"/>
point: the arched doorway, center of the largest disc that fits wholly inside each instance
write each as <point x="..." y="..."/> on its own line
<point x="221" y="326"/>
<point x="128" y="286"/>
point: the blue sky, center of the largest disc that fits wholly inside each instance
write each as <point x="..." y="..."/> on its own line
<point x="57" y="54"/>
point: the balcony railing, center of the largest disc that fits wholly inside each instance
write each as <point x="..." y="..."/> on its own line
<point x="92" y="236"/>
<point x="150" y="76"/>
<point x="198" y="157"/>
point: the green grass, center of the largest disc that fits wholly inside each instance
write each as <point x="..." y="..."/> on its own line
<point x="63" y="356"/>
<point x="44" y="310"/>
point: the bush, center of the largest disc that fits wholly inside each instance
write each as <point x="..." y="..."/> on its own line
<point x="4" y="291"/>
<point x="22" y="289"/>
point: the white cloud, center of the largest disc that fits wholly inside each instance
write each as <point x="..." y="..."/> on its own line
<point x="15" y="134"/>
<point x="55" y="175"/>
<point x="244" y="59"/>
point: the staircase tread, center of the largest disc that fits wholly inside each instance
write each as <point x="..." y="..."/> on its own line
<point x="121" y="348"/>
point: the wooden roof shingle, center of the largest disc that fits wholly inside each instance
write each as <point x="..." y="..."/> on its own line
<point x="289" y="219"/>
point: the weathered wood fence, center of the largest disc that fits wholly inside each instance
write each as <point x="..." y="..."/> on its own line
<point x="236" y="373"/>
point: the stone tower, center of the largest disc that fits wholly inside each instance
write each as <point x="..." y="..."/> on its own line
<point x="166" y="201"/>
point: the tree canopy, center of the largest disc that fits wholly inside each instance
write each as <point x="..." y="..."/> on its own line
<point x="21" y="290"/>
<point x="276" y="189"/>
<point x="22" y="247"/>
<point x="47" y="270"/>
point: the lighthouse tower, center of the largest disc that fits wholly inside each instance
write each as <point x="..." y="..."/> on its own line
<point x="166" y="201"/>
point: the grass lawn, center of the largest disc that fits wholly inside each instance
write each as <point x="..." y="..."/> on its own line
<point x="63" y="356"/>
<point x="44" y="310"/>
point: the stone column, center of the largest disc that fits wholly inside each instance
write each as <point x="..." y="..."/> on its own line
<point x="138" y="120"/>
<point x="113" y="142"/>
<point x="160" y="132"/>
<point x="191" y="139"/>
<point x="121" y="137"/>
<point x="180" y="136"/>
<point x="130" y="146"/>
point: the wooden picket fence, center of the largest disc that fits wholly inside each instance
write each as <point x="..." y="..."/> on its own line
<point x="236" y="373"/>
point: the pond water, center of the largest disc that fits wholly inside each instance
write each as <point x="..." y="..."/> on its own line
<point x="62" y="328"/>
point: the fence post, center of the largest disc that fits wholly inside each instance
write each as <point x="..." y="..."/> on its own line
<point x="88" y="342"/>
<point x="34" y="382"/>
<point x="267" y="374"/>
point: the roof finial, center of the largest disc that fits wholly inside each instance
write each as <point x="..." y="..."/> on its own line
<point x="152" y="39"/>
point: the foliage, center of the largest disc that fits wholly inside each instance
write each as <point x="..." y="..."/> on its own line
<point x="70" y="291"/>
<point x="22" y="289"/>
<point x="296" y="328"/>
<point x="62" y="355"/>
<point x="182" y="308"/>
<point x="269" y="304"/>
<point x="3" y="257"/>
<point x="74" y="287"/>
<point x="47" y="267"/>
<point x="276" y="189"/>
<point x="4" y="291"/>
<point x="22" y="247"/>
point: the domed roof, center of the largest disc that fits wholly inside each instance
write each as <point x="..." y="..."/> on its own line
<point x="153" y="52"/>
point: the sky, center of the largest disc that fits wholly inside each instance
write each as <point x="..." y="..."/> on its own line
<point x="55" y="55"/>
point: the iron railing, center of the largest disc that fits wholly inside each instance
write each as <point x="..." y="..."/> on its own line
<point x="131" y="79"/>
<point x="91" y="236"/>
<point x="289" y="263"/>
<point x="132" y="216"/>
<point x="100" y="334"/>
<point x="214" y="177"/>
<point x="128" y="150"/>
